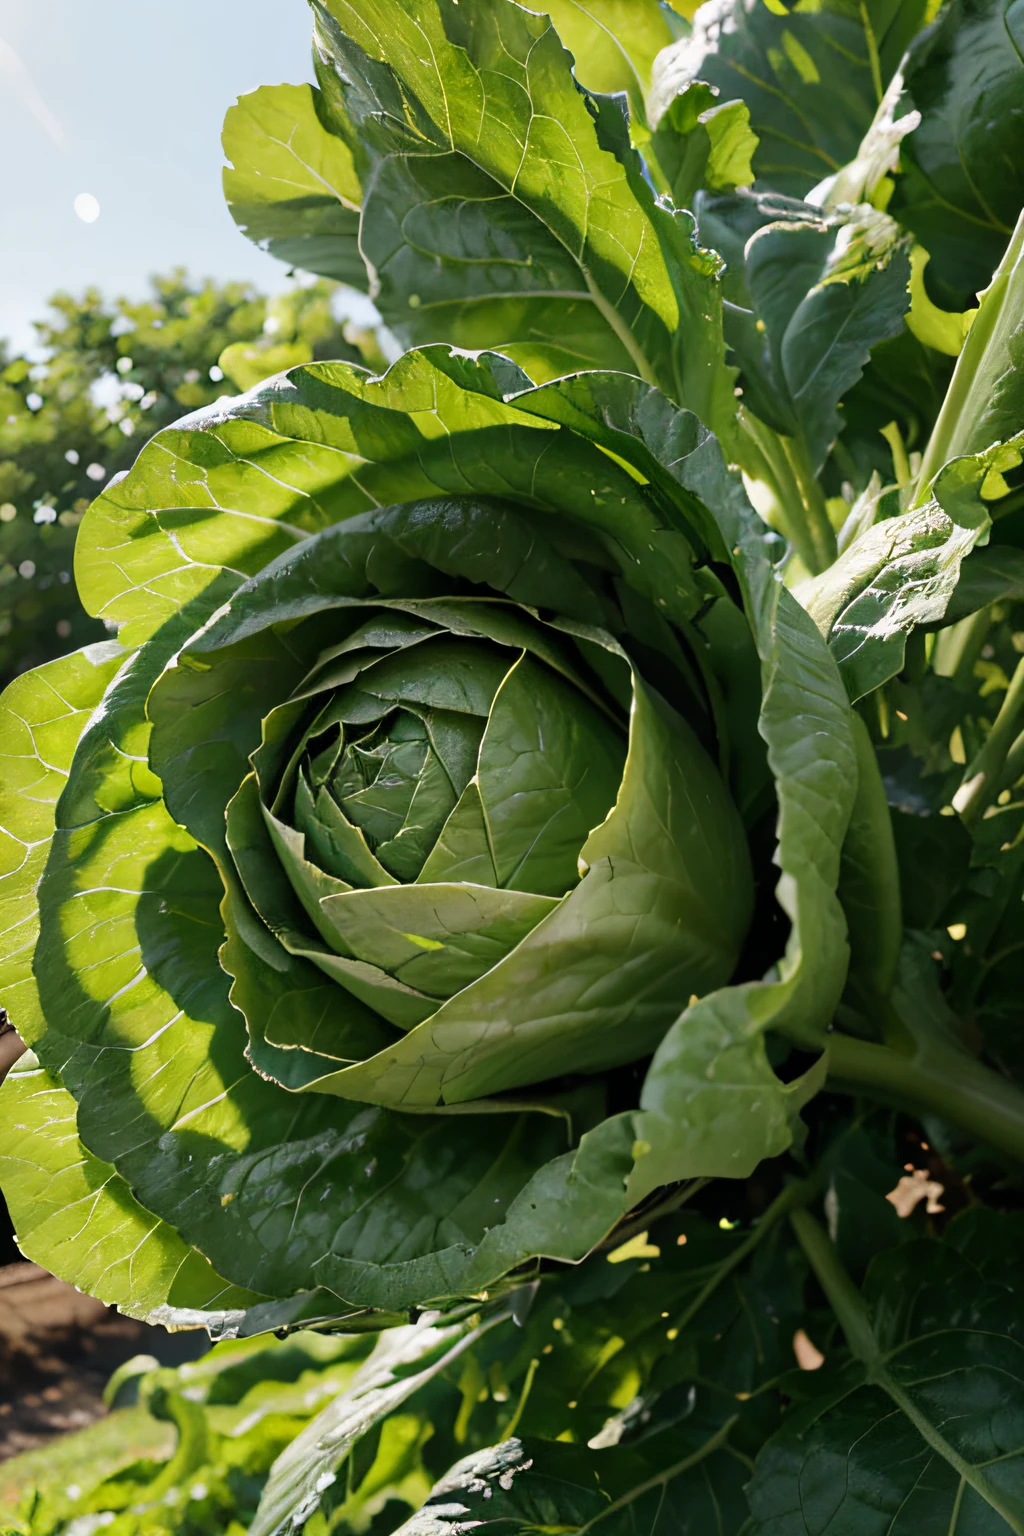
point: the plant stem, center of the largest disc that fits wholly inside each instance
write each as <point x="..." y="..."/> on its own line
<point x="958" y="648"/>
<point x="769" y="463"/>
<point x="945" y="1082"/>
<point x="793" y="1196"/>
<point x="1014" y="765"/>
<point x="844" y="1297"/>
<point x="820" y="531"/>
<point x="983" y="775"/>
<point x="869" y="879"/>
<point x="964" y="423"/>
<point x="900" y="462"/>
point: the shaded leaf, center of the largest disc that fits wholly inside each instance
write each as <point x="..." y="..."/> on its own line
<point x="900" y="572"/>
<point x="404" y="1361"/>
<point x="811" y="78"/>
<point x="76" y="1216"/>
<point x="676" y="1481"/>
<point x="962" y="184"/>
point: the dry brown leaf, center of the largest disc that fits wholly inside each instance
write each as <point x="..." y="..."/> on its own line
<point x="912" y="1189"/>
<point x="808" y="1356"/>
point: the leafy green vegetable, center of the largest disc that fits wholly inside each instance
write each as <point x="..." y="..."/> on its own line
<point x="434" y="742"/>
<point x="324" y="956"/>
<point x="467" y="234"/>
<point x="296" y="192"/>
<point x="469" y="869"/>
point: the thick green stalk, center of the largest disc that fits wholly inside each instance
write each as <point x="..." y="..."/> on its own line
<point x="1014" y="765"/>
<point x="845" y="1299"/>
<point x="820" y="531"/>
<point x="944" y="1082"/>
<point x="960" y="646"/>
<point x="766" y="460"/>
<point x="984" y="774"/>
<point x="978" y="409"/>
<point x="869" y="879"/>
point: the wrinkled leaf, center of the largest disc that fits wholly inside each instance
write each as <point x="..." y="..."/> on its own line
<point x="901" y="572"/>
<point x="405" y="1360"/>
<point x="505" y="210"/>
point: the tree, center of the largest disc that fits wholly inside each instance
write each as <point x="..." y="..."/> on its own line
<point x="107" y="375"/>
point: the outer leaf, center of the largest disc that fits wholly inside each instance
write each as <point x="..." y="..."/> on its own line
<point x="171" y="531"/>
<point x="811" y="78"/>
<point x="614" y="43"/>
<point x="42" y="716"/>
<point x="700" y="143"/>
<point x="824" y="300"/>
<point x="291" y="185"/>
<point x="675" y="1482"/>
<point x="76" y="1216"/>
<point x="962" y="185"/>
<point x="990" y="575"/>
<point x="901" y="572"/>
<point x="503" y="210"/>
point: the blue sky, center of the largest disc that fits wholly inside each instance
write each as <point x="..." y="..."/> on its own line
<point x="124" y="99"/>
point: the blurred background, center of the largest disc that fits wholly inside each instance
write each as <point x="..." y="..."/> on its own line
<point x="121" y="101"/>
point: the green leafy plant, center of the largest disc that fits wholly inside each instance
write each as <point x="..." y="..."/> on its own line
<point x="508" y="805"/>
<point x="724" y="145"/>
<point x="632" y="1389"/>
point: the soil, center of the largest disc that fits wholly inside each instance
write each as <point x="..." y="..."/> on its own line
<point x="57" y="1350"/>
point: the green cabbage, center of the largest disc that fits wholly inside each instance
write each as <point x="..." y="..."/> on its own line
<point x="379" y="908"/>
<point x="506" y="853"/>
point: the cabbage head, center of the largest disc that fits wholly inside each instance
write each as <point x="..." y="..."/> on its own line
<point x="506" y="854"/>
<point x="392" y="924"/>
